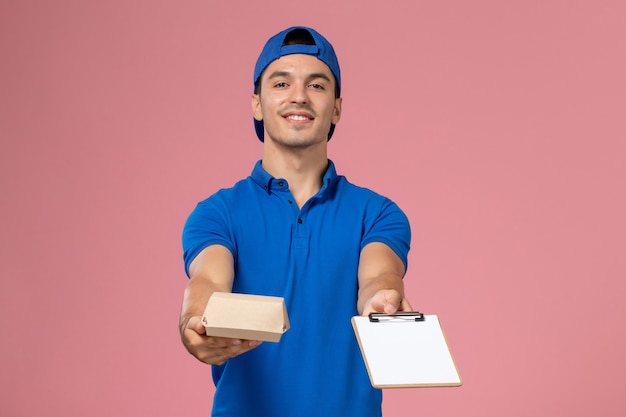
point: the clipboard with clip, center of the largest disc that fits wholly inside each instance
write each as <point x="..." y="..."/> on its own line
<point x="405" y="349"/>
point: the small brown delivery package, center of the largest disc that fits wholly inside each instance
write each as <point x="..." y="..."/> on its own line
<point x="245" y="316"/>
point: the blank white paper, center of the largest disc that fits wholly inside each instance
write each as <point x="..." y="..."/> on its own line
<point x="403" y="353"/>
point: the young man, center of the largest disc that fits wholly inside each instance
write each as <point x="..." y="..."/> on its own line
<point x="295" y="229"/>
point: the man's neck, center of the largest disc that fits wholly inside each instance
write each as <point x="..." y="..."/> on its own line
<point x="303" y="169"/>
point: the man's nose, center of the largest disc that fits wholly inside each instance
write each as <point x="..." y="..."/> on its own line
<point x="299" y="93"/>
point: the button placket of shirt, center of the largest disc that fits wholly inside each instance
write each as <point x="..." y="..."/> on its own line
<point x="300" y="227"/>
<point x="300" y="236"/>
<point x="281" y="188"/>
<point x="304" y="211"/>
<point x="284" y="189"/>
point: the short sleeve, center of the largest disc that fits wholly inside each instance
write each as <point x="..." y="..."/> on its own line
<point x="208" y="224"/>
<point x="386" y="223"/>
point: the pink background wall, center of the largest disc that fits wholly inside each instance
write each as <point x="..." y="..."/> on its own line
<point x="498" y="126"/>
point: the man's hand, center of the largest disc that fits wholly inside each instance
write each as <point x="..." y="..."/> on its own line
<point x="209" y="349"/>
<point x="212" y="270"/>
<point x="386" y="301"/>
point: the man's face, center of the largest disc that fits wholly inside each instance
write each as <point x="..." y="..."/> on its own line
<point x="297" y="101"/>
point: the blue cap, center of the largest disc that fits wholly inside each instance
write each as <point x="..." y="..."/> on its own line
<point x="275" y="48"/>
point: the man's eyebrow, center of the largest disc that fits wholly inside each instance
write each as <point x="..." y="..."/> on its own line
<point x="278" y="74"/>
<point x="312" y="76"/>
<point x="321" y="75"/>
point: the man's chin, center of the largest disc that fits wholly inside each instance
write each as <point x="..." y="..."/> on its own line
<point x="299" y="141"/>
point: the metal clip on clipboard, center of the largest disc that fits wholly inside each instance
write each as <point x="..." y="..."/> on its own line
<point x="399" y="315"/>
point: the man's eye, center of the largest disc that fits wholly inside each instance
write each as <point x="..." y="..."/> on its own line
<point x="281" y="84"/>
<point x="317" y="86"/>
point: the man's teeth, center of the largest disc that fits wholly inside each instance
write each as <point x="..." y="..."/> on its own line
<point x="296" y="117"/>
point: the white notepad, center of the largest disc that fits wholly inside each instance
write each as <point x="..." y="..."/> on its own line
<point x="403" y="353"/>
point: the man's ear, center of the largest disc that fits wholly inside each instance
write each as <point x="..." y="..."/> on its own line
<point x="337" y="111"/>
<point x="256" y="107"/>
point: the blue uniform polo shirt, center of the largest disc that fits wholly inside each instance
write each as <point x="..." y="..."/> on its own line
<point x="309" y="256"/>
